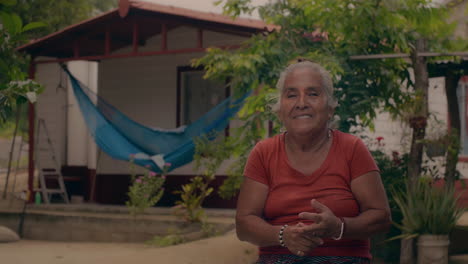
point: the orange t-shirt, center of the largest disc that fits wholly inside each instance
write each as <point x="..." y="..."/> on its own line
<point x="290" y="191"/>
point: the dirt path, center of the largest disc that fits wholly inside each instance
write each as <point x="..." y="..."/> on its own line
<point x="225" y="249"/>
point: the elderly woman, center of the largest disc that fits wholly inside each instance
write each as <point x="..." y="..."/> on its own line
<point x="311" y="194"/>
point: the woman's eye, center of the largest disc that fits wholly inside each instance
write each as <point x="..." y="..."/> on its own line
<point x="313" y="94"/>
<point x="291" y="95"/>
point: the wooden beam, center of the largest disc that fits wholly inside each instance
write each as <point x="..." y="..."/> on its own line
<point x="139" y="54"/>
<point x="163" y="37"/>
<point x="404" y="55"/>
<point x="436" y="54"/>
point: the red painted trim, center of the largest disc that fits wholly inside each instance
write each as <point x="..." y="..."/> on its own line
<point x="164" y="37"/>
<point x="124" y="7"/>
<point x="31" y="119"/>
<point x="135" y="37"/>
<point x="200" y="38"/>
<point x="107" y="44"/>
<point x="463" y="159"/>
<point x="139" y="54"/>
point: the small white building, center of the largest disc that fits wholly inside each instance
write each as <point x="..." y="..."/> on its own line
<point x="138" y="58"/>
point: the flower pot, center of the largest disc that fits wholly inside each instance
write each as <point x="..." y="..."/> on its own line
<point x="433" y="249"/>
<point x="435" y="150"/>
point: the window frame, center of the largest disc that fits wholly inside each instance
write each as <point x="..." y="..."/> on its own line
<point x="179" y="99"/>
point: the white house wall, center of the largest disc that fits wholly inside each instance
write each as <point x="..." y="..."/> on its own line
<point x="81" y="149"/>
<point x="51" y="106"/>
<point x="397" y="136"/>
<point x="458" y="15"/>
<point x="145" y="88"/>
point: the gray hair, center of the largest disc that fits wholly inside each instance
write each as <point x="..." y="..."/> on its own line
<point x="327" y="83"/>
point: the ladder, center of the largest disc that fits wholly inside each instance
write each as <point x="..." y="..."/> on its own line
<point x="51" y="173"/>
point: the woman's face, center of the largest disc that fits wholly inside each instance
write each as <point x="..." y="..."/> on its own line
<point x="303" y="107"/>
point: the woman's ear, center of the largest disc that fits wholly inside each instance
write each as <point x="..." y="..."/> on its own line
<point x="331" y="113"/>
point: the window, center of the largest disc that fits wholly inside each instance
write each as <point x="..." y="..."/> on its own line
<point x="195" y="95"/>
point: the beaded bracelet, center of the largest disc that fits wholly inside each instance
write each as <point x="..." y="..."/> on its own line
<point x="341" y="231"/>
<point x="280" y="236"/>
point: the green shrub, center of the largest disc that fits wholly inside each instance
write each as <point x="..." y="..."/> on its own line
<point x="427" y="209"/>
<point x="146" y="190"/>
<point x="393" y="169"/>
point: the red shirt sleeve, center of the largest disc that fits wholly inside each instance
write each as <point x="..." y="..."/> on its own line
<point x="255" y="166"/>
<point x="361" y="160"/>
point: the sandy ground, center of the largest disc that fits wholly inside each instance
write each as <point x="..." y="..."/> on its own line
<point x="223" y="249"/>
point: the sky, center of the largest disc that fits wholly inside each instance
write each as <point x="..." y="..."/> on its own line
<point x="201" y="5"/>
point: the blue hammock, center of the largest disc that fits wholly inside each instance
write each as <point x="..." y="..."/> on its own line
<point x="124" y="139"/>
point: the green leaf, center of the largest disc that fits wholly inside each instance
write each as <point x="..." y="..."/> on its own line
<point x="17" y="24"/>
<point x="34" y="25"/>
<point x="6" y="20"/>
<point x="8" y="2"/>
<point x="11" y="22"/>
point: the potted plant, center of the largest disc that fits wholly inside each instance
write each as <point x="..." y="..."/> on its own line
<point x="412" y="111"/>
<point x="437" y="140"/>
<point x="430" y="214"/>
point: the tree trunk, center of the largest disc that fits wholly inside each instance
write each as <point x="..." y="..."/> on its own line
<point x="10" y="158"/>
<point x="421" y="85"/>
<point x="18" y="164"/>
<point x="451" y="82"/>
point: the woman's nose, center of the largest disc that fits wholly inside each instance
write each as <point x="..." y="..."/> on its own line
<point x="301" y="102"/>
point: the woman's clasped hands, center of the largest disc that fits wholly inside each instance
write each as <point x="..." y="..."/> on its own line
<point x="302" y="238"/>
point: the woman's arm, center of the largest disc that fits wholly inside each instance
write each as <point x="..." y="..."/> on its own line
<point x="374" y="214"/>
<point x="251" y="227"/>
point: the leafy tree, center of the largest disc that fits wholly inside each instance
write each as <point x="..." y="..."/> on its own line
<point x="15" y="87"/>
<point x="58" y="14"/>
<point x="19" y="22"/>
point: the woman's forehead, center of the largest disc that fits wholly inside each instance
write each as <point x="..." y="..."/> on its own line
<point x="303" y="75"/>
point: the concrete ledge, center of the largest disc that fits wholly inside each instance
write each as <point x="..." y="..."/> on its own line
<point x="103" y="227"/>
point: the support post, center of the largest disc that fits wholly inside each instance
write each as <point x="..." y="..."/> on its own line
<point x="135" y="37"/>
<point x="31" y="122"/>
<point x="200" y="38"/>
